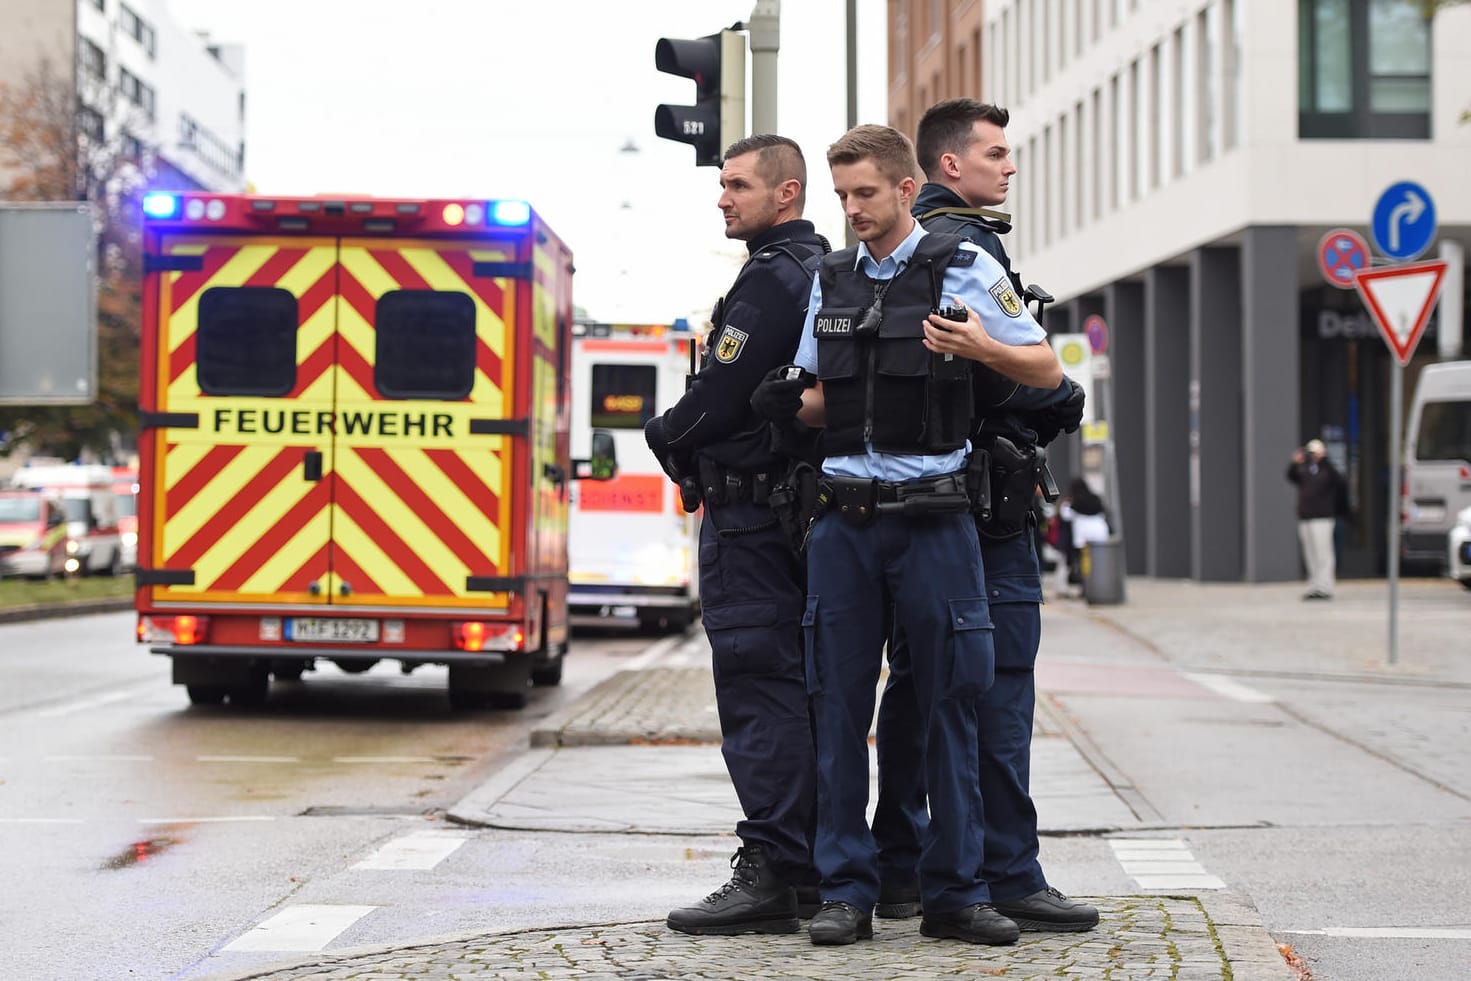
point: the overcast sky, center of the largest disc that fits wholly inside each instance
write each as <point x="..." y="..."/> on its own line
<point x="534" y="99"/>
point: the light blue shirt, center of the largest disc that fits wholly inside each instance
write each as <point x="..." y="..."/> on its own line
<point x="980" y="286"/>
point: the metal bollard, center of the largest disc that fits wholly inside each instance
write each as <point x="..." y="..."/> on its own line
<point x="1103" y="572"/>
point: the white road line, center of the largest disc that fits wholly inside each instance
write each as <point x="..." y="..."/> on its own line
<point x="300" y="928"/>
<point x="1388" y="933"/>
<point x="416" y="852"/>
<point x="384" y="759"/>
<point x="98" y="758"/>
<point x="1161" y="863"/>
<point x="40" y="820"/>
<point x="248" y="759"/>
<point x="223" y="819"/>
<point x="67" y="708"/>
<point x="657" y="652"/>
<point x="1229" y="688"/>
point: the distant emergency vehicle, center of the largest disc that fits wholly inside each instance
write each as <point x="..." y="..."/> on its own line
<point x="354" y="441"/>
<point x="33" y="535"/>
<point x="94" y="545"/>
<point x="634" y="550"/>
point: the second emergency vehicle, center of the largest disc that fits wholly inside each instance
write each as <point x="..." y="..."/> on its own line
<point x="634" y="549"/>
<point x="355" y="441"/>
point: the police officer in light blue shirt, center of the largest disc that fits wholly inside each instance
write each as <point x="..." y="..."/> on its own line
<point x="893" y="391"/>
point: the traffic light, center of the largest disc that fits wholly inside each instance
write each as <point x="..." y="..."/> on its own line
<point x="717" y="63"/>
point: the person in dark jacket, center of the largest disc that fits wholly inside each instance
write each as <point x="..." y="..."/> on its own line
<point x="1319" y="499"/>
<point x="961" y="146"/>
<point x="752" y="582"/>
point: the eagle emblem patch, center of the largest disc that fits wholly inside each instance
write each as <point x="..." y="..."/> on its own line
<point x="732" y="342"/>
<point x="1006" y="298"/>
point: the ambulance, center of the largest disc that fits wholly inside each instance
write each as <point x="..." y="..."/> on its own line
<point x="33" y="538"/>
<point x="354" y="441"/>
<point x="634" y="549"/>
<point x="94" y="541"/>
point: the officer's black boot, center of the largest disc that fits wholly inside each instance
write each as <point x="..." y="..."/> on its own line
<point x="753" y="901"/>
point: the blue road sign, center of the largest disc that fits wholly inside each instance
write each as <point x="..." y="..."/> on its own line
<point x="1404" y="221"/>
<point x="1341" y="253"/>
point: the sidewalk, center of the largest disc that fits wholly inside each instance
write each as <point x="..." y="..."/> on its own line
<point x="638" y="756"/>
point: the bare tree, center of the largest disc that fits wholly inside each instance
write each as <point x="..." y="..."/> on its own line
<point x="75" y="143"/>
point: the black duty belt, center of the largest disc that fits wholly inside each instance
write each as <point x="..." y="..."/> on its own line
<point x="861" y="499"/>
<point x="719" y="485"/>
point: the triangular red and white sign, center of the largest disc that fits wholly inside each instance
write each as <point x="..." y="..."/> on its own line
<point x="1401" y="298"/>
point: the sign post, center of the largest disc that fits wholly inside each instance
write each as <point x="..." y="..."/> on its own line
<point x="1400" y="298"/>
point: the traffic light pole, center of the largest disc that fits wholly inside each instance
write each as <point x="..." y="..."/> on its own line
<point x="765" y="28"/>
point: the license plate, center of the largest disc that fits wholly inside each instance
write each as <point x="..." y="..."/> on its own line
<point x="332" y="631"/>
<point x="1433" y="513"/>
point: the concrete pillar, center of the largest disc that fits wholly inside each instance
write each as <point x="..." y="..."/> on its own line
<point x="1216" y="512"/>
<point x="1124" y="312"/>
<point x="1166" y="432"/>
<point x="1270" y="401"/>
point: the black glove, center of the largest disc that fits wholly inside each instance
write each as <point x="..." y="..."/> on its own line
<point x="1064" y="417"/>
<point x="778" y="398"/>
<point x="658" y="441"/>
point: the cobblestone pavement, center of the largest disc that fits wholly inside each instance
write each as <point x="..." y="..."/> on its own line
<point x="1139" y="937"/>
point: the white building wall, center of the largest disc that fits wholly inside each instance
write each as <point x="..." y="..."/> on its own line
<point x="186" y="79"/>
<point x="1264" y="176"/>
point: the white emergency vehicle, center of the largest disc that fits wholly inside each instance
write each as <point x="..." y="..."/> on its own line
<point x="633" y="550"/>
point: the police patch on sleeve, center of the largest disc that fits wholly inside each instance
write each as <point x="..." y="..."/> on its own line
<point x="1006" y="298"/>
<point x="730" y="345"/>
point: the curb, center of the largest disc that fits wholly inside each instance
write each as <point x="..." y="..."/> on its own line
<point x="51" y="611"/>
<point x="1243" y="938"/>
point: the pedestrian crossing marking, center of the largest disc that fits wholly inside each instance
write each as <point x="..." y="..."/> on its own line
<point x="1162" y="863"/>
<point x="420" y="851"/>
<point x="1229" y="688"/>
<point x="300" y="928"/>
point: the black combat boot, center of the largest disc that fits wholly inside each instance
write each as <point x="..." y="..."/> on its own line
<point x="753" y="901"/>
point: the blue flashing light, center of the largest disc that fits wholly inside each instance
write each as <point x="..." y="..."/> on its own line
<point x="157" y="204"/>
<point x="510" y="212"/>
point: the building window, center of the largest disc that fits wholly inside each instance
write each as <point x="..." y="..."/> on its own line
<point x="1205" y="87"/>
<point x="1363" y="70"/>
<point x="1096" y="166"/>
<point x="1233" y="90"/>
<point x="99" y="4"/>
<point x="138" y="29"/>
<point x="89" y="122"/>
<point x="136" y="91"/>
<point x="1156" y="117"/>
<point x="209" y="147"/>
<point x="92" y="60"/>
<point x="1177" y="104"/>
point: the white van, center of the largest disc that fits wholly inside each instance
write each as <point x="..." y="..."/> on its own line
<point x="633" y="551"/>
<point x="1437" y="462"/>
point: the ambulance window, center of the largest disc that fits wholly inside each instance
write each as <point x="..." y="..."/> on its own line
<point x="246" y="343"/>
<point x="426" y="345"/>
<point x="623" y="395"/>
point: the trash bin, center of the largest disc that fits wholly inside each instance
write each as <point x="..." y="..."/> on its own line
<point x="1103" y="572"/>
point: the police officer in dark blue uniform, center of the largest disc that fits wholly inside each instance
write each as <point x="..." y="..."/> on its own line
<point x="888" y="346"/>
<point x="752" y="582"/>
<point x="962" y="148"/>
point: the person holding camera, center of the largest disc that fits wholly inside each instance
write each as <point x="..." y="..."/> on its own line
<point x="752" y="584"/>
<point x="892" y="327"/>
<point x="1320" y="493"/>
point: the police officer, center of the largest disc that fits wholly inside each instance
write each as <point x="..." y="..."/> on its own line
<point x="892" y="387"/>
<point x="751" y="579"/>
<point x="963" y="150"/>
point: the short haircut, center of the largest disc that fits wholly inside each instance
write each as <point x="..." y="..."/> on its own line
<point x="889" y="149"/>
<point x="949" y="127"/>
<point x="779" y="160"/>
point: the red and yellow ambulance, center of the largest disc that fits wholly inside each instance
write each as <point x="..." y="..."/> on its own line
<point x="354" y="441"/>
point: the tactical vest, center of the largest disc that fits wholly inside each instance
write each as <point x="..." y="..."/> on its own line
<point x="880" y="384"/>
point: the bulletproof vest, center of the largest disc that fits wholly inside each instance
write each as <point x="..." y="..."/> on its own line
<point x="880" y="384"/>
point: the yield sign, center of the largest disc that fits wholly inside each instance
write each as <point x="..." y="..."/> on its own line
<point x="1401" y="298"/>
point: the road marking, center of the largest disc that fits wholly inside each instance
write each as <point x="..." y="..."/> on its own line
<point x="657" y="652"/>
<point x="67" y="708"/>
<point x="384" y="759"/>
<point x="1388" y="933"/>
<point x="98" y="758"/>
<point x="224" y="819"/>
<point x="1229" y="688"/>
<point x="300" y="928"/>
<point x="40" y="820"/>
<point x="416" y="852"/>
<point x="1161" y="863"/>
<point x="248" y="759"/>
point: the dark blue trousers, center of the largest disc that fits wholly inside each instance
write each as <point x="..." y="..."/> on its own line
<point x="1004" y="735"/>
<point x="752" y="591"/>
<point x="929" y="571"/>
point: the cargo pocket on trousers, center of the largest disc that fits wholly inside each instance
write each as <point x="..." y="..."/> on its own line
<point x="972" y="648"/>
<point x="809" y="646"/>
